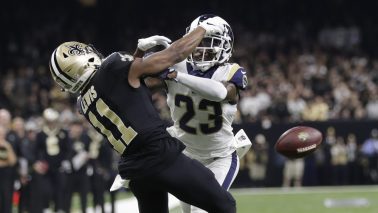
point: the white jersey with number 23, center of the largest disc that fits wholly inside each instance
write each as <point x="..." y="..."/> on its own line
<point x="204" y="126"/>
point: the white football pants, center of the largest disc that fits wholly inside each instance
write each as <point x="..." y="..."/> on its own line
<point x="225" y="170"/>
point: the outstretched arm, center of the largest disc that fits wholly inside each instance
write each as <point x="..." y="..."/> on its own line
<point x="208" y="88"/>
<point x="177" y="52"/>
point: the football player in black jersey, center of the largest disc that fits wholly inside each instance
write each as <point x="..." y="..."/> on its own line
<point x="117" y="103"/>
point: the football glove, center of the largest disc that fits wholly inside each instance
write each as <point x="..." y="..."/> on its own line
<point x="243" y="144"/>
<point x="212" y="26"/>
<point x="147" y="43"/>
<point x="118" y="183"/>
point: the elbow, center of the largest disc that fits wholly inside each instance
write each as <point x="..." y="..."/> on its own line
<point x="221" y="95"/>
<point x="222" y="92"/>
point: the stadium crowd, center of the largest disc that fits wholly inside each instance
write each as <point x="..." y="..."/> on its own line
<point x="292" y="78"/>
<point x="49" y="160"/>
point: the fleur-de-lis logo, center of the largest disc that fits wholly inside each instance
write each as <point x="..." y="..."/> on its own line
<point x="303" y="136"/>
<point x="76" y="49"/>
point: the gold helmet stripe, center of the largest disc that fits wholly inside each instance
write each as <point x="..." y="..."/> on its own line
<point x="65" y="85"/>
<point x="58" y="73"/>
<point x="61" y="72"/>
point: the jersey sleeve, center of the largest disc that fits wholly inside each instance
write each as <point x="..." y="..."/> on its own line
<point x="238" y="76"/>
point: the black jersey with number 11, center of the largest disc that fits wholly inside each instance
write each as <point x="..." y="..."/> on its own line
<point x="126" y="117"/>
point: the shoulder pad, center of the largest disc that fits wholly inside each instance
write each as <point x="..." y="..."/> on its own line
<point x="118" y="56"/>
<point x="117" y="63"/>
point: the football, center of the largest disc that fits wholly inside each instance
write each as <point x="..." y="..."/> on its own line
<point x="299" y="142"/>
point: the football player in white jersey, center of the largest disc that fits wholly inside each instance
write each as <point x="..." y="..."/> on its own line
<point x="203" y="92"/>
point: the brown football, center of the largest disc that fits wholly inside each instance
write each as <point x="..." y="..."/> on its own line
<point x="299" y="141"/>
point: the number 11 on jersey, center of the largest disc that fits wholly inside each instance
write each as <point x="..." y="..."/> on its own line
<point x="127" y="133"/>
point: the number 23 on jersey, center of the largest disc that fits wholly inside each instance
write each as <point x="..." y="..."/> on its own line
<point x="215" y="119"/>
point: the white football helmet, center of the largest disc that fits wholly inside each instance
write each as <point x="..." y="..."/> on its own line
<point x="73" y="63"/>
<point x="214" y="48"/>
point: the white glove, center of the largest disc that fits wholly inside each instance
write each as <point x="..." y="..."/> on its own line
<point x="243" y="144"/>
<point x="119" y="183"/>
<point x="147" y="43"/>
<point x="212" y="26"/>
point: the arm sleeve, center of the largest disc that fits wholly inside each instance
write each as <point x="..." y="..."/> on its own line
<point x="207" y="88"/>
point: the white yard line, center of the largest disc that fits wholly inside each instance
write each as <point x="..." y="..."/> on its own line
<point x="304" y="190"/>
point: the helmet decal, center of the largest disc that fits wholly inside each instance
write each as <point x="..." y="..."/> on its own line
<point x="204" y="17"/>
<point x="75" y="49"/>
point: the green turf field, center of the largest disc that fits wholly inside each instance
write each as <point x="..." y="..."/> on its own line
<point x="300" y="200"/>
<point x="306" y="200"/>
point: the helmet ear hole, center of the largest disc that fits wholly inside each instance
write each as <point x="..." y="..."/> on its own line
<point x="65" y="55"/>
<point x="91" y="59"/>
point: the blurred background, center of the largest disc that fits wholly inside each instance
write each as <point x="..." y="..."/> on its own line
<point x="309" y="63"/>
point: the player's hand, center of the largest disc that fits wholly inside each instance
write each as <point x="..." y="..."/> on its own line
<point x="212" y="26"/>
<point x="168" y="74"/>
<point x="147" y="43"/>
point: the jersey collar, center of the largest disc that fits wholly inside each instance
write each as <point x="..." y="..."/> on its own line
<point x="208" y="74"/>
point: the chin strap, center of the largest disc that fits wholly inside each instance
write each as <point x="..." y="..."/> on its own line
<point x="207" y="88"/>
